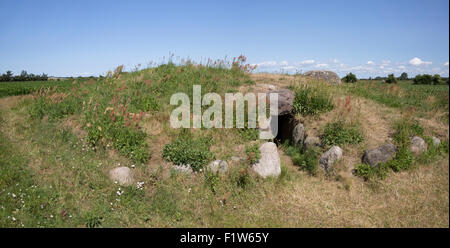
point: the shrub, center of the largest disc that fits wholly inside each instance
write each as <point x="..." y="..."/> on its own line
<point x="350" y="78"/>
<point x="423" y="79"/>
<point x="403" y="160"/>
<point x="312" y="101"/>
<point x="391" y="79"/>
<point x="339" y="133"/>
<point x="437" y="79"/>
<point x="253" y="153"/>
<point x="405" y="129"/>
<point x="403" y="76"/>
<point x="212" y="180"/>
<point x="186" y="150"/>
<point x="307" y="160"/>
<point x="368" y="172"/>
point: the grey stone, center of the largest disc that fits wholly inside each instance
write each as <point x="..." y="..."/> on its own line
<point x="183" y="168"/>
<point x="329" y="157"/>
<point x="379" y="154"/>
<point x="269" y="164"/>
<point x="122" y="175"/>
<point x="418" y="145"/>
<point x="218" y="165"/>
<point x="327" y="76"/>
<point x="299" y="134"/>
<point x="285" y="101"/>
<point x="312" y="141"/>
<point x="436" y="141"/>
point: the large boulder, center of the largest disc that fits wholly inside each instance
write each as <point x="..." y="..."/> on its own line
<point x="380" y="154"/>
<point x="122" y="175"/>
<point x="312" y="141"/>
<point x="285" y="101"/>
<point x="218" y="166"/>
<point x="327" y="76"/>
<point x="299" y="134"/>
<point x="269" y="164"/>
<point x="418" y="145"/>
<point x="329" y="157"/>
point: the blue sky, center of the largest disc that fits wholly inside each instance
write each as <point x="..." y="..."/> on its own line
<point x="368" y="38"/>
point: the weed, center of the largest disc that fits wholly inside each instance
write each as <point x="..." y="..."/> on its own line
<point x="311" y="101"/>
<point x="253" y="153"/>
<point x="187" y="150"/>
<point x="339" y="133"/>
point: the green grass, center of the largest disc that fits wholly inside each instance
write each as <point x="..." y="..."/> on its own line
<point x="340" y="133"/>
<point x="403" y="95"/>
<point x="311" y="101"/>
<point x="27" y="87"/>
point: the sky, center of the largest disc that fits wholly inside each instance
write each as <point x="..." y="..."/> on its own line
<point x="368" y="38"/>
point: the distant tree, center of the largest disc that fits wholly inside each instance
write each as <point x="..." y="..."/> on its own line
<point x="437" y="79"/>
<point x="391" y="79"/>
<point x="403" y="76"/>
<point x="350" y="78"/>
<point x="423" y="79"/>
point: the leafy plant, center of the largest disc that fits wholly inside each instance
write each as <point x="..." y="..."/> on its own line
<point x="307" y="160"/>
<point x="312" y="101"/>
<point x="368" y="172"/>
<point x="339" y="133"/>
<point x="350" y="78"/>
<point x="187" y="150"/>
<point x="391" y="79"/>
<point x="212" y="179"/>
<point x="253" y="153"/>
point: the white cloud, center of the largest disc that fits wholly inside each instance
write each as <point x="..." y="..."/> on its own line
<point x="306" y="62"/>
<point x="370" y="62"/>
<point x="416" y="62"/>
<point x="321" y="65"/>
<point x="267" y="64"/>
<point x="401" y="67"/>
<point x="446" y="63"/>
<point x="284" y="63"/>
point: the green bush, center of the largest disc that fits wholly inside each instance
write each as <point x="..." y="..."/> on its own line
<point x="403" y="76"/>
<point x="423" y="79"/>
<point x="253" y="153"/>
<point x="307" y="160"/>
<point x="312" y="101"/>
<point x="403" y="160"/>
<point x="350" y="78"/>
<point x="186" y="150"/>
<point x="129" y="141"/>
<point x="338" y="133"/>
<point x="391" y="79"/>
<point x="368" y="172"/>
<point x="212" y="180"/>
<point x="405" y="129"/>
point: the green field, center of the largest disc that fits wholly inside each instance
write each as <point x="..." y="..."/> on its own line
<point x="426" y="99"/>
<point x="26" y="87"/>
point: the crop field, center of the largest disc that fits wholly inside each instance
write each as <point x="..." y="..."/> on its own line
<point x="59" y="145"/>
<point x="27" y="87"/>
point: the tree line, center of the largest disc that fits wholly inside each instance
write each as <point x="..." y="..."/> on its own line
<point x="418" y="79"/>
<point x="23" y="76"/>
